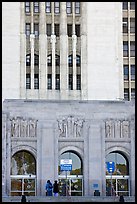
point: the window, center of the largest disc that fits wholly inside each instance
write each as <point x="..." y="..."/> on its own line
<point x="27" y="7"/>
<point x="57" y="82"/>
<point x="132" y="93"/>
<point x="56" y="7"/>
<point x="77" y="28"/>
<point x="126" y="72"/>
<point x="36" y="7"/>
<point x="49" y="60"/>
<point x="132" y="5"/>
<point x="69" y="7"/>
<point x="126" y="94"/>
<point x="48" y="29"/>
<point x="28" y="60"/>
<point x="125" y="25"/>
<point x="36" y="29"/>
<point x="77" y="7"/>
<point x="49" y="81"/>
<point x="36" y="60"/>
<point x="48" y="7"/>
<point x="57" y="58"/>
<point x="69" y="30"/>
<point x="125" y="5"/>
<point x="36" y="81"/>
<point x="78" y="63"/>
<point x="125" y="49"/>
<point x="70" y="60"/>
<point x="79" y="82"/>
<point x="132" y="48"/>
<point x="56" y="30"/>
<point x="132" y="25"/>
<point x="27" y="29"/>
<point x="70" y="82"/>
<point x="28" y="81"/>
<point x="132" y="72"/>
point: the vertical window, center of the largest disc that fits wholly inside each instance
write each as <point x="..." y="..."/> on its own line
<point x="27" y="7"/>
<point x="48" y="7"/>
<point x="132" y="93"/>
<point x="48" y="29"/>
<point x="126" y="72"/>
<point x="125" y="25"/>
<point x="57" y="82"/>
<point x="70" y="60"/>
<point x="125" y="48"/>
<point x="70" y="82"/>
<point x="36" y="81"/>
<point x="49" y="60"/>
<point x="78" y="60"/>
<point x="125" y="5"/>
<point x="69" y="30"/>
<point x="78" y="82"/>
<point x="49" y="81"/>
<point x="56" y="7"/>
<point x="36" y="7"/>
<point x="77" y="7"/>
<point x="27" y="29"/>
<point x="36" y="29"/>
<point x="28" y="60"/>
<point x="132" y="25"/>
<point x="132" y="72"/>
<point x="132" y="5"/>
<point x="77" y="28"/>
<point x="69" y="7"/>
<point x="28" y="81"/>
<point x="57" y="58"/>
<point x="56" y="30"/>
<point x="126" y="94"/>
<point x="132" y="48"/>
<point x="36" y="60"/>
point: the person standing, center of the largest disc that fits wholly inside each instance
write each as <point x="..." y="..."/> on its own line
<point x="55" y="188"/>
<point x="48" y="188"/>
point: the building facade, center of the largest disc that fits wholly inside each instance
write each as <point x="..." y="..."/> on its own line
<point x="65" y="84"/>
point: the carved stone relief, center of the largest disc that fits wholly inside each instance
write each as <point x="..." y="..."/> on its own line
<point x="125" y="129"/>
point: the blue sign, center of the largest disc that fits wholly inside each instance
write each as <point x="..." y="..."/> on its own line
<point x="66" y="167"/>
<point x="110" y="166"/>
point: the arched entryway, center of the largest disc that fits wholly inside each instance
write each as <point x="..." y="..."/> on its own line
<point x="72" y="179"/>
<point x="23" y="174"/>
<point x="118" y="183"/>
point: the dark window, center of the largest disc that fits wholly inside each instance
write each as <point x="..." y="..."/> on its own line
<point x="70" y="82"/>
<point x="36" y="81"/>
<point x="57" y="30"/>
<point x="132" y="48"/>
<point x="126" y="94"/>
<point x="27" y="7"/>
<point x="125" y="49"/>
<point x="48" y="7"/>
<point x="28" y="81"/>
<point x="28" y="60"/>
<point x="70" y="60"/>
<point x="36" y="7"/>
<point x="57" y="58"/>
<point x="69" y="30"/>
<point x="56" y="7"/>
<point x="27" y="29"/>
<point x="132" y="5"/>
<point x="125" y="25"/>
<point x="49" y="81"/>
<point x="49" y="60"/>
<point x="77" y="7"/>
<point x="133" y="72"/>
<point x="69" y="7"/>
<point x="77" y="28"/>
<point x="36" y="29"/>
<point x="125" y="5"/>
<point x="57" y="82"/>
<point x="132" y="93"/>
<point x="78" y="63"/>
<point x="132" y="25"/>
<point x="79" y="82"/>
<point x="48" y="29"/>
<point x="126" y="72"/>
<point x="36" y="60"/>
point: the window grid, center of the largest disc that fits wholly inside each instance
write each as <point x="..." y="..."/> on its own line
<point x="27" y="29"/>
<point x="69" y="7"/>
<point x="36" y="7"/>
<point x="77" y="7"/>
<point x="36" y="81"/>
<point x="28" y="81"/>
<point x="57" y="7"/>
<point x="48" y="7"/>
<point x="49" y="81"/>
<point x="27" y="7"/>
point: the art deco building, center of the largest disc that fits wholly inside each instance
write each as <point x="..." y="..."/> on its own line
<point x="68" y="89"/>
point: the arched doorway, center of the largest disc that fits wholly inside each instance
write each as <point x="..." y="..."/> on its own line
<point x="117" y="183"/>
<point x="23" y="174"/>
<point x="73" y="179"/>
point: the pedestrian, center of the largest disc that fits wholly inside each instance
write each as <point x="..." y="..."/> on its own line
<point x="55" y="188"/>
<point x="23" y="198"/>
<point x="48" y="188"/>
<point x="121" y="199"/>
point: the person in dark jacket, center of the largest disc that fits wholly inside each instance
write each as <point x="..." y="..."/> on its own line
<point x="48" y="188"/>
<point x="23" y="199"/>
<point x="55" y="188"/>
<point x="121" y="199"/>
